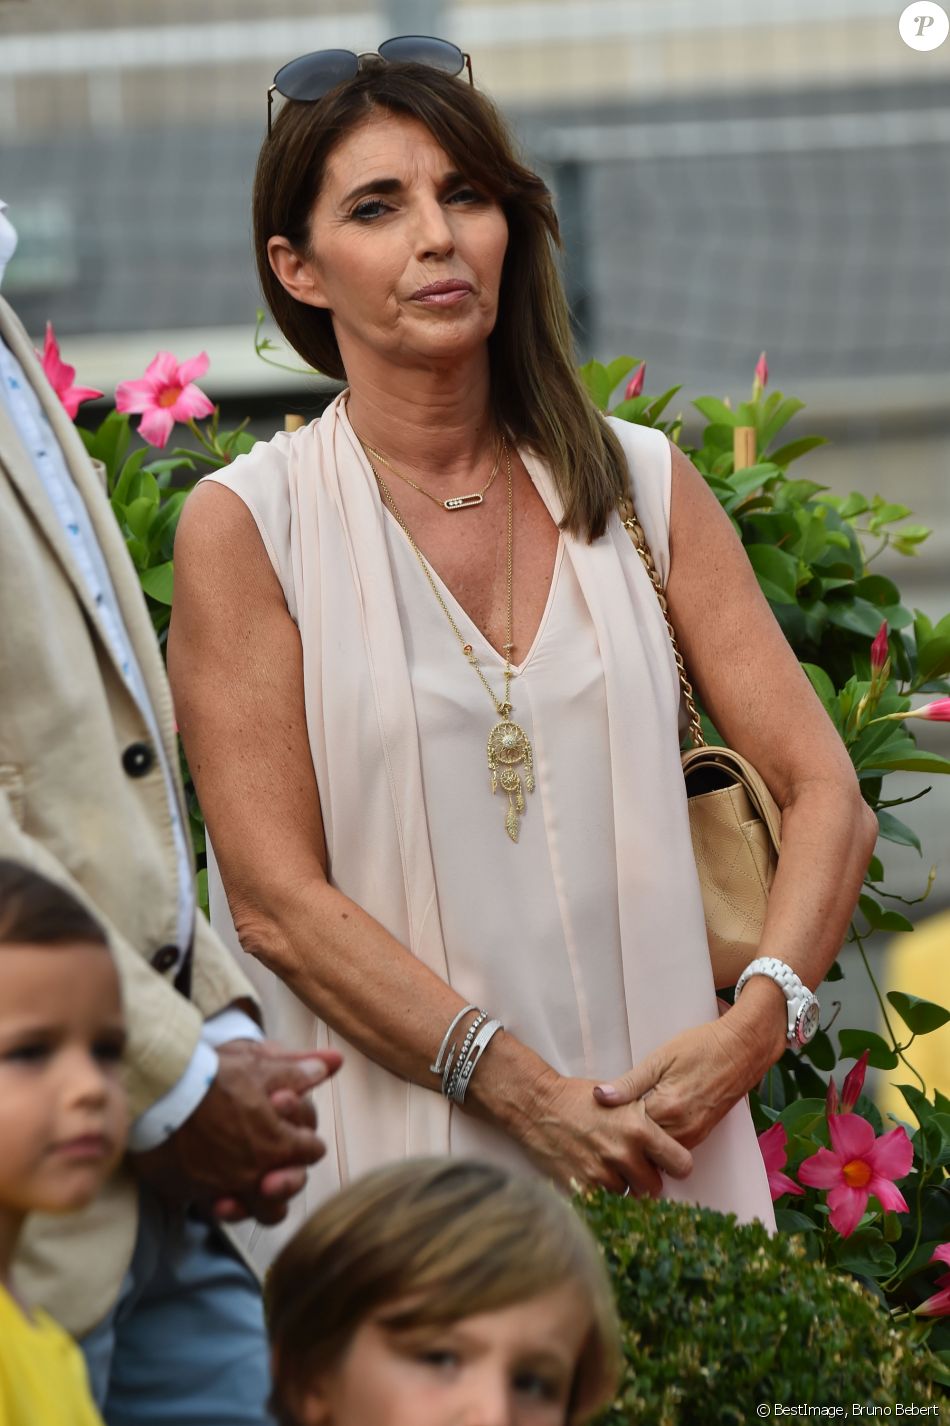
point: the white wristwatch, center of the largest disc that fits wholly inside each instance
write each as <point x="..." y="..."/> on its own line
<point x="803" y="1007"/>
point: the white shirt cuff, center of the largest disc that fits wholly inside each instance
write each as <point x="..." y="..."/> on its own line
<point x="230" y="1024"/>
<point x="167" y="1114"/>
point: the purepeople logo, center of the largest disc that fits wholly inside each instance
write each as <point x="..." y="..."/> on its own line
<point x="924" y="26"/>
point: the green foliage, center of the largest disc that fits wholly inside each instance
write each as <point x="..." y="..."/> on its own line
<point x="717" y="1316"/>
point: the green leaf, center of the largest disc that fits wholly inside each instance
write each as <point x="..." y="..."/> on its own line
<point x="881" y="920"/>
<point x="823" y="686"/>
<point x="595" y="378"/>
<point x="789" y="1220"/>
<point x="921" y="1016"/>
<point x="886" y="514"/>
<point x="913" y="762"/>
<point x="820" y="1051"/>
<point x="781" y="416"/>
<point x="158" y="582"/>
<point x="853" y="1043"/>
<point x="892" y="829"/>
<point x="933" y="660"/>
<point x="715" y="410"/>
<point x="777" y="573"/>
<point x="856" y="615"/>
<point x="918" y="1101"/>
<point x="786" y="454"/>
<point x="660" y="403"/>
<point x="121" y="492"/>
<point x="854" y="504"/>
<point x="138" y="516"/>
<point x="619" y="368"/>
<point x="875" y="870"/>
<point x="867" y="1253"/>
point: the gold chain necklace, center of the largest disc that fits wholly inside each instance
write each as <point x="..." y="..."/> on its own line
<point x="455" y="502"/>
<point x="508" y="744"/>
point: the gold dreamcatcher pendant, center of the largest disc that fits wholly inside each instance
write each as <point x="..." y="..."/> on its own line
<point x="508" y="746"/>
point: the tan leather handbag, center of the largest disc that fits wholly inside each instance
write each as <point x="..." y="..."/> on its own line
<point x="734" y="821"/>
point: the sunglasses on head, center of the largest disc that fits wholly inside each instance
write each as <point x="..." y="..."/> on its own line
<point x="309" y="77"/>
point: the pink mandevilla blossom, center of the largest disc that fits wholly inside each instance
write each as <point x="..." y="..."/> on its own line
<point x="857" y="1165"/>
<point x="165" y="394"/>
<point x="939" y="1304"/>
<point x="853" y="1084"/>
<point x="635" y="384"/>
<point x="772" y="1143"/>
<point x="879" y="650"/>
<point x="762" y="371"/>
<point x="936" y="712"/>
<point x="61" y="376"/>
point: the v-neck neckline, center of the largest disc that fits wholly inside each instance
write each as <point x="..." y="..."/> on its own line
<point x="450" y="597"/>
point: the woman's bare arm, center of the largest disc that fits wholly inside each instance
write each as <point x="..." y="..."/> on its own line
<point x="236" y="668"/>
<point x="758" y="696"/>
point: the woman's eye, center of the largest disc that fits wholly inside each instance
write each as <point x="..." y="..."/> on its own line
<point x="371" y="208"/>
<point x="469" y="194"/>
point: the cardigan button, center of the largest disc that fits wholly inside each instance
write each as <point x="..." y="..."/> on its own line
<point x="164" y="958"/>
<point x="138" y="759"/>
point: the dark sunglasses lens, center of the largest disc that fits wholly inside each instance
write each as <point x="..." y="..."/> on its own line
<point x="424" y="49"/>
<point x="313" y="75"/>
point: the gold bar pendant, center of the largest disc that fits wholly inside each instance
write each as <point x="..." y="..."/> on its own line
<point x="460" y="502"/>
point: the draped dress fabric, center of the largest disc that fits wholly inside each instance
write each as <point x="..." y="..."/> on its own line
<point x="586" y="937"/>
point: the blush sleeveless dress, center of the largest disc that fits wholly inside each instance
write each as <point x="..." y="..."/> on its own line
<point x="532" y="931"/>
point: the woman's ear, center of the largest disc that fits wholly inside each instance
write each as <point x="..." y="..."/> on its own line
<point x="313" y="1409"/>
<point x="295" y="273"/>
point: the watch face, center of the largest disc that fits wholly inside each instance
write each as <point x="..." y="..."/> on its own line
<point x="808" y="1022"/>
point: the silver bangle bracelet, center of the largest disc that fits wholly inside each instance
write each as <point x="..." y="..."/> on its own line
<point x="467" y="1067"/>
<point x="454" y="1065"/>
<point x="437" y="1067"/>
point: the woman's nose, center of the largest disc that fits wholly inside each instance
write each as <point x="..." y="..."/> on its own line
<point x="434" y="236"/>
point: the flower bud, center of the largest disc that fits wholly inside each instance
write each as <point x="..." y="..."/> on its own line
<point x="635" y="384"/>
<point x="853" y="1084"/>
<point x="879" y="650"/>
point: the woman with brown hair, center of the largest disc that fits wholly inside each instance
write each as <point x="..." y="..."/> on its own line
<point x="442" y="1291"/>
<point x="428" y="696"/>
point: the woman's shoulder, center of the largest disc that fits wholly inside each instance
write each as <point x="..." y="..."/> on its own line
<point x="650" y="463"/>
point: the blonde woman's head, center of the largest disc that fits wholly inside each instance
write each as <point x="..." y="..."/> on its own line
<point x="441" y="1292"/>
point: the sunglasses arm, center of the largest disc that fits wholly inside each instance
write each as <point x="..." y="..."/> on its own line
<point x="270" y="105"/>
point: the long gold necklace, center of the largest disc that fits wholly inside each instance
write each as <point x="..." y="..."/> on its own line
<point x="508" y="744"/>
<point x="454" y="502"/>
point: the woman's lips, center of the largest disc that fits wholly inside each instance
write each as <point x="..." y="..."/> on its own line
<point x="443" y="294"/>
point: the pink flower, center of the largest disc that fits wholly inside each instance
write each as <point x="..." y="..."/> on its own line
<point x="165" y="394"/>
<point x="857" y="1165"/>
<point x="936" y="712"/>
<point x="635" y="384"/>
<point x="772" y="1143"/>
<point x="939" y="1304"/>
<point x="60" y="376"/>
<point x="761" y="376"/>
<point x="853" y="1084"/>
<point x="879" y="650"/>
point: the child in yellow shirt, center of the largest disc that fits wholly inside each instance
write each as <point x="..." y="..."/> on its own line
<point x="63" y="1119"/>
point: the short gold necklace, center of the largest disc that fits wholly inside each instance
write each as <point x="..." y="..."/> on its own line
<point x="454" y="502"/>
<point x="508" y="744"/>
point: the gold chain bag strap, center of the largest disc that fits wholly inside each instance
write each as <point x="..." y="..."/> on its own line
<point x="734" y="821"/>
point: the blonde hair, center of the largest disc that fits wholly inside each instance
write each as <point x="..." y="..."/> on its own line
<point x="537" y="397"/>
<point x="448" y="1239"/>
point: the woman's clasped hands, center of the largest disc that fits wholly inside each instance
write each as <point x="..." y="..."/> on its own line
<point x="623" y="1134"/>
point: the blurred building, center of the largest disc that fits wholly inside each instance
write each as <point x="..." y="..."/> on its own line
<point x="730" y="176"/>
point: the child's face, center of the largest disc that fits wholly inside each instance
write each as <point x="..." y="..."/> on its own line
<point x="63" y="1114"/>
<point x="511" y="1367"/>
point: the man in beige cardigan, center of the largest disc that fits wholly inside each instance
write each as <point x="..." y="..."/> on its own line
<point x="91" y="796"/>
